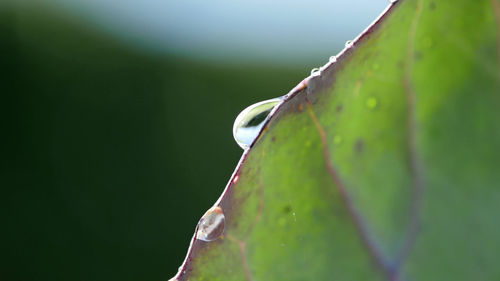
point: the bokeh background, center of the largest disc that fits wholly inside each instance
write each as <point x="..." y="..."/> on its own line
<point x="117" y="116"/>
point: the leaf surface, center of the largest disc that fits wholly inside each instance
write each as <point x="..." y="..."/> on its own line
<point x="383" y="167"/>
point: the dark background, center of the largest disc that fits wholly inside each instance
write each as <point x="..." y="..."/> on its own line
<point x="111" y="153"/>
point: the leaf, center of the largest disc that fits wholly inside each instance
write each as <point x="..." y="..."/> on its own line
<point x="384" y="167"/>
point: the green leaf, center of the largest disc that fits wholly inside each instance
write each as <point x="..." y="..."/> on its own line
<point x="383" y="167"/>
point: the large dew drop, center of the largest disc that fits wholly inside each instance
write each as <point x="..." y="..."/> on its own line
<point x="250" y="121"/>
<point x="211" y="225"/>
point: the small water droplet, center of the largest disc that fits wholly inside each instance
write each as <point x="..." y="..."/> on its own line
<point x="315" y="72"/>
<point x="236" y="178"/>
<point x="371" y="102"/>
<point x="348" y="43"/>
<point x="337" y="139"/>
<point x="211" y="225"/>
<point x="332" y="59"/>
<point x="250" y="121"/>
<point x="294" y="217"/>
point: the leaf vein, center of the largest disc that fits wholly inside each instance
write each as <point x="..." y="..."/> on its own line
<point x="415" y="164"/>
<point x="359" y="223"/>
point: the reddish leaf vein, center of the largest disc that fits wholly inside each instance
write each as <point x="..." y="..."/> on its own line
<point x="414" y="161"/>
<point x="368" y="241"/>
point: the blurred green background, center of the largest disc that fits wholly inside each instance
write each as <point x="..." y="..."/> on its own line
<point x="117" y="121"/>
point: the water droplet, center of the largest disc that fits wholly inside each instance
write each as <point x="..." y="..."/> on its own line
<point x="371" y="103"/>
<point x="337" y="139"/>
<point x="315" y="71"/>
<point x="250" y="121"/>
<point x="332" y="59"/>
<point x="348" y="43"/>
<point x="236" y="178"/>
<point x="211" y="225"/>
